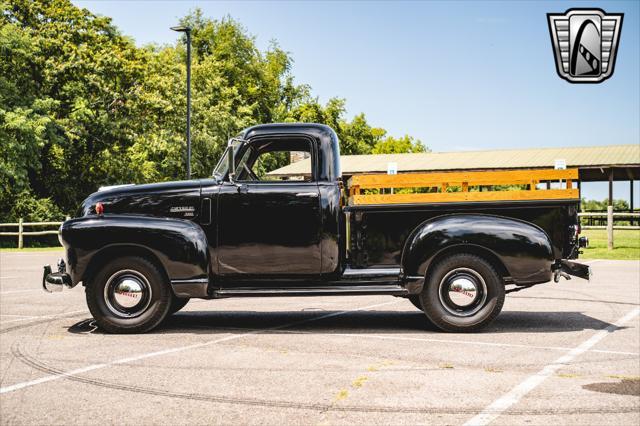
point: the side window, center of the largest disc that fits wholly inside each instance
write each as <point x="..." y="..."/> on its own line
<point x="280" y="160"/>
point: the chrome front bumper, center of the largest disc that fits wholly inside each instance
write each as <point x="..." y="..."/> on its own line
<point x="54" y="281"/>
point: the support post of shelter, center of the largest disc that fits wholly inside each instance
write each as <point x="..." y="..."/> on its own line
<point x="610" y="227"/>
<point x="610" y="198"/>
<point x="610" y="212"/>
<point x="631" y="220"/>
<point x="580" y="196"/>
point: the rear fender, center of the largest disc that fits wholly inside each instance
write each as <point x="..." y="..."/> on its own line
<point x="179" y="246"/>
<point x="523" y="250"/>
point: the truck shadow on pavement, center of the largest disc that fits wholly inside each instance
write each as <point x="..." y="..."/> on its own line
<point x="287" y="322"/>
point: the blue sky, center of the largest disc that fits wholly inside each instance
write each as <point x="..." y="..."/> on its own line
<point x="457" y="75"/>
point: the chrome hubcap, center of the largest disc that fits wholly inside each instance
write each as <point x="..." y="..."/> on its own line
<point x="127" y="293"/>
<point x="462" y="292"/>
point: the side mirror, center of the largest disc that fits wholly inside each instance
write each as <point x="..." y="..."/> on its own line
<point x="232" y="163"/>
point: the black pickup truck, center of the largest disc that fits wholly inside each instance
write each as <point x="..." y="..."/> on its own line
<point x="142" y="251"/>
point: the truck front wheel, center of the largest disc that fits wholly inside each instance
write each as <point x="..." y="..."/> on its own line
<point x="177" y="304"/>
<point x="463" y="292"/>
<point x="128" y="295"/>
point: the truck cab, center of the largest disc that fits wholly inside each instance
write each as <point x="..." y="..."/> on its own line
<point x="277" y="228"/>
<point x="142" y="251"/>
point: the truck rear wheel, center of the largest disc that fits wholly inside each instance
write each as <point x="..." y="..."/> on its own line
<point x="128" y="295"/>
<point x="463" y="292"/>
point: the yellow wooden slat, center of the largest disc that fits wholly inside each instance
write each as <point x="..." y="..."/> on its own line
<point x="549" y="194"/>
<point x="509" y="177"/>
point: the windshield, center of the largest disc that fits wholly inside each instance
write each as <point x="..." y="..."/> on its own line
<point x="223" y="165"/>
<point x="222" y="168"/>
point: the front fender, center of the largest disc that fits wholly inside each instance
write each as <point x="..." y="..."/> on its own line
<point x="523" y="249"/>
<point x="179" y="245"/>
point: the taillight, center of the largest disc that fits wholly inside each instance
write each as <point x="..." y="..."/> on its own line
<point x="99" y="208"/>
<point x="574" y="231"/>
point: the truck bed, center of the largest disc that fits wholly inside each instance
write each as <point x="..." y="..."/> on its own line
<point x="378" y="232"/>
<point x="383" y="210"/>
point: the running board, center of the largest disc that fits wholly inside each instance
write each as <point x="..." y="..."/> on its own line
<point x="393" y="290"/>
<point x="371" y="274"/>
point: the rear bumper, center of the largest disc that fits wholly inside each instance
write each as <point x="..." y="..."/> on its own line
<point x="576" y="269"/>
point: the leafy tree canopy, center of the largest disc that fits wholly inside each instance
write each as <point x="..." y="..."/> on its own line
<point x="596" y="206"/>
<point x="82" y="106"/>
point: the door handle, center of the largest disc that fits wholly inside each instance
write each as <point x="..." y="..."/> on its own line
<point x="242" y="189"/>
<point x="307" y="194"/>
<point x="205" y="209"/>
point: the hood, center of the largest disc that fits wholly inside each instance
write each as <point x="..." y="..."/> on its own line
<point x="166" y="199"/>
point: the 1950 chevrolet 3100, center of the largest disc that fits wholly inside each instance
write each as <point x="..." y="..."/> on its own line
<point x="142" y="251"/>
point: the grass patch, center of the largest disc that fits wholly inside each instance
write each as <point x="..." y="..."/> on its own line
<point x="626" y="245"/>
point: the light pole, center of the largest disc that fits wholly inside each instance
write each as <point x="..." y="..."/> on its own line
<point x="187" y="31"/>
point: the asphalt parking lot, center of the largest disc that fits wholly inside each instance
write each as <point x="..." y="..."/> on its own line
<point x="565" y="353"/>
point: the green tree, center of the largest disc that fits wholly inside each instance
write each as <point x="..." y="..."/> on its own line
<point x="65" y="100"/>
<point x="391" y="145"/>
<point x="82" y="106"/>
<point x="595" y="205"/>
<point x="356" y="136"/>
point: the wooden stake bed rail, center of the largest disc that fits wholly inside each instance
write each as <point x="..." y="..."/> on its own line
<point x="481" y="184"/>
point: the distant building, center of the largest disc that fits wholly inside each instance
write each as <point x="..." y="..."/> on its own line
<point x="296" y="156"/>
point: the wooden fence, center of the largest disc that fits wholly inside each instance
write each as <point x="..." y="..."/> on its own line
<point x="610" y="227"/>
<point x="21" y="233"/>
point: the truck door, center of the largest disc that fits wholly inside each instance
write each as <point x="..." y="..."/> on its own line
<point x="269" y="227"/>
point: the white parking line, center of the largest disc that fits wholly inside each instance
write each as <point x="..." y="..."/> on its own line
<point x="77" y="371"/>
<point x="452" y="341"/>
<point x="471" y="342"/>
<point x="46" y="316"/>
<point x="497" y="407"/>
